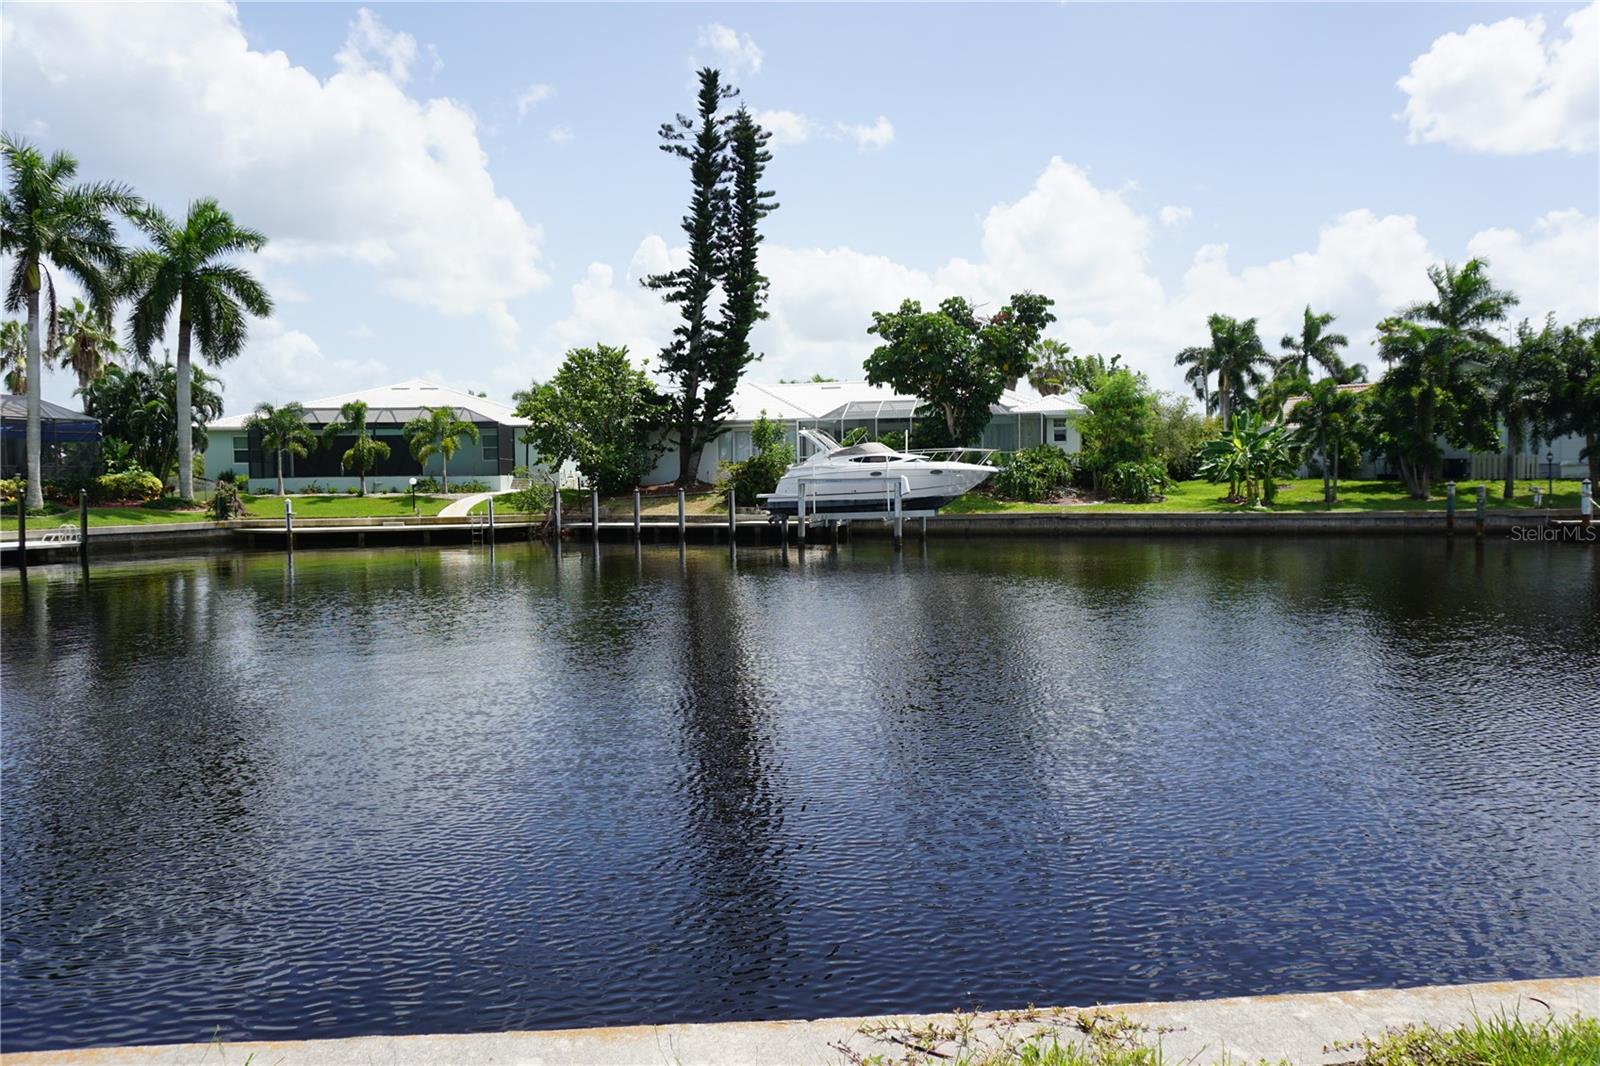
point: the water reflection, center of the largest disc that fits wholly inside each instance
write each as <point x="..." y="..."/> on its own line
<point x="431" y="790"/>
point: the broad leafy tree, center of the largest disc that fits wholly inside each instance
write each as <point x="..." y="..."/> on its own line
<point x="365" y="452"/>
<point x="438" y="431"/>
<point x="282" y="430"/>
<point x="187" y="272"/>
<point x="1119" y="434"/>
<point x="720" y="292"/>
<point x="14" y="356"/>
<point x="137" y="409"/>
<point x="49" y="222"/>
<point x="1251" y="456"/>
<point x="85" y="342"/>
<point x="954" y="360"/>
<point x="601" y="413"/>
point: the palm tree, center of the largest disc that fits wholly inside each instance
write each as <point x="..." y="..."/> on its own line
<point x="1331" y="416"/>
<point x="1202" y="364"/>
<point x="438" y="431"/>
<point x="1574" y="390"/>
<point x="363" y="456"/>
<point x="47" y="222"/>
<point x="185" y="272"/>
<point x="1050" y="365"/>
<point x="282" y="429"/>
<point x="85" y="341"/>
<point x="1465" y="303"/>
<point x="1236" y="356"/>
<point x="1517" y="376"/>
<point x="14" y="356"/>
<point x="1313" y="345"/>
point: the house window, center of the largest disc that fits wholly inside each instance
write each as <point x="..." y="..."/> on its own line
<point x="241" y="451"/>
<point x="491" y="444"/>
<point x="1058" y="431"/>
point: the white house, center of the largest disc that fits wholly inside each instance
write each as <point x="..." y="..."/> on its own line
<point x="837" y="407"/>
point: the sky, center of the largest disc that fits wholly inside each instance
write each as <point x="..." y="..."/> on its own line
<point x="464" y="192"/>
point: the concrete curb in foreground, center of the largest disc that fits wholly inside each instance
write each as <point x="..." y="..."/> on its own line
<point x="1294" y="1027"/>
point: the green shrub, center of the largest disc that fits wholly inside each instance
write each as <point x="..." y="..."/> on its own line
<point x="128" y="486"/>
<point x="473" y="485"/>
<point x="1034" y="474"/>
<point x="535" y="499"/>
<point x="1138" y="481"/>
<point x="225" y="502"/>
<point x="11" y="488"/>
<point x="759" y="473"/>
<point x="230" y="475"/>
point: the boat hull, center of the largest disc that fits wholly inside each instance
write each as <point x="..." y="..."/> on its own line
<point x="825" y="506"/>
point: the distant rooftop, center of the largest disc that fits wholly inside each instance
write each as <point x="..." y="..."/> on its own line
<point x="398" y="404"/>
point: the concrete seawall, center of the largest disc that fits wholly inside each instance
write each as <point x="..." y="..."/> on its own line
<point x="1299" y="1028"/>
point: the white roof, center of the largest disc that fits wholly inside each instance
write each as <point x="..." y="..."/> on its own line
<point x="400" y="403"/>
<point x="832" y="401"/>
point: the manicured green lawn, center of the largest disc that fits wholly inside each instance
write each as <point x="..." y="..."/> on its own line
<point x="1302" y="494"/>
<point x="337" y="505"/>
<point x="330" y="506"/>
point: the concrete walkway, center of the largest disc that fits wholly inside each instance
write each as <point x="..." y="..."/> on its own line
<point x="462" y="507"/>
<point x="1298" y="1028"/>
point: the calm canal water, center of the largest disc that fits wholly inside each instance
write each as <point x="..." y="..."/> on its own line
<point x="429" y="791"/>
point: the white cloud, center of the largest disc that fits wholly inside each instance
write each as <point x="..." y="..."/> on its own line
<point x="351" y="167"/>
<point x="360" y="331"/>
<point x="1501" y="88"/>
<point x="532" y="97"/>
<point x="1087" y="248"/>
<point x="282" y="364"/>
<point x="736" y="51"/>
<point x="1553" y="268"/>
<point x="787" y="127"/>
<point x="372" y="46"/>
<point x="559" y="134"/>
<point x="1174" y="215"/>
<point x="877" y="135"/>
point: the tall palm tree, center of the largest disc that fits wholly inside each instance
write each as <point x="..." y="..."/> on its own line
<point x="187" y="271"/>
<point x="1465" y="303"/>
<point x="46" y="221"/>
<point x="1202" y="364"/>
<point x="85" y="342"/>
<point x="282" y="429"/>
<point x="1314" y="345"/>
<point x="14" y="356"/>
<point x="1050" y="363"/>
<point x="1517" y="376"/>
<point x="1331" y="418"/>
<point x="364" y="454"/>
<point x="438" y="431"/>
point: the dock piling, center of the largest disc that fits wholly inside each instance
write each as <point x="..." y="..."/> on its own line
<point x="83" y="528"/>
<point x="491" y="521"/>
<point x="682" y="520"/>
<point x="594" y="513"/>
<point x="22" y="532"/>
<point x="288" y="525"/>
<point x="1450" y="508"/>
<point x="733" y="520"/>
<point x="1585" y="501"/>
<point x="1483" y="504"/>
<point x="800" y="516"/>
<point x="636" y="527"/>
<point x="556" y="503"/>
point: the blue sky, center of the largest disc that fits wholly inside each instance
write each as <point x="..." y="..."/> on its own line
<point x="1143" y="164"/>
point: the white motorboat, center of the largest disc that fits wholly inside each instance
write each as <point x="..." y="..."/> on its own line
<point x="866" y="478"/>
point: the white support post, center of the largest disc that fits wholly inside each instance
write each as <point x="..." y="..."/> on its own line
<point x="1586" y="500"/>
<point x="899" y="498"/>
<point x="636" y="516"/>
<point x="682" y="521"/>
<point x="556" y="502"/>
<point x="288" y="524"/>
<point x="594" y="513"/>
<point x="800" y="513"/>
<point x="491" y="520"/>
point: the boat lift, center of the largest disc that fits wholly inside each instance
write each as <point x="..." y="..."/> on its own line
<point x="894" y="509"/>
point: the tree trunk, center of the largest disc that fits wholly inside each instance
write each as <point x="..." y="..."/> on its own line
<point x="444" y="470"/>
<point x="280" y="472"/>
<point x="688" y="449"/>
<point x="185" y="412"/>
<point x="35" y="381"/>
<point x="1224" y="408"/>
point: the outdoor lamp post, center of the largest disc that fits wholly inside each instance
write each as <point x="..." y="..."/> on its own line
<point x="413" y="497"/>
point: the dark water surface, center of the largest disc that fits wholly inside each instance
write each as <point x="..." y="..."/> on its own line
<point x="422" y="791"/>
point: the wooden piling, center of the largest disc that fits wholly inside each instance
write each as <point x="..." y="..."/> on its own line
<point x="682" y="519"/>
<point x="733" y="518"/>
<point x="83" y="528"/>
<point x="491" y="521"/>
<point x="1585" y="501"/>
<point x="556" y="503"/>
<point x="1450" y="508"/>
<point x="22" y="531"/>
<point x="288" y="525"/>
<point x="1483" y="506"/>
<point x="594" y="513"/>
<point x="637" y="530"/>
